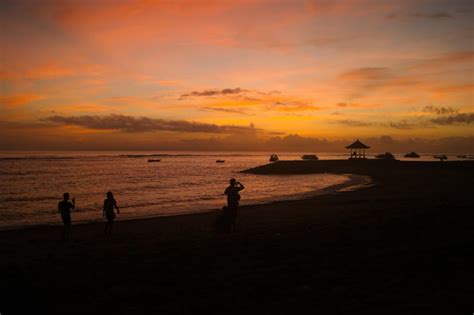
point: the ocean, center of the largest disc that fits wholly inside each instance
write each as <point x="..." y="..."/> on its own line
<point x="32" y="183"/>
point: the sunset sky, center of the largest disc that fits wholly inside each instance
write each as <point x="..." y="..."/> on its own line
<point x="244" y="75"/>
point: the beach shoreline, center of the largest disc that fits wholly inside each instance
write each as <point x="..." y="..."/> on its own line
<point x="354" y="180"/>
<point x="399" y="246"/>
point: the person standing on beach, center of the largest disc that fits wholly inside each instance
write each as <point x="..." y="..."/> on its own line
<point x="108" y="211"/>
<point x="233" y="199"/>
<point x="64" y="207"/>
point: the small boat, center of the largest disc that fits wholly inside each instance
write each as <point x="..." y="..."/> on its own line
<point x="273" y="158"/>
<point x="412" y="155"/>
<point x="385" y="156"/>
<point x="440" y="157"/>
<point x="154" y="160"/>
<point x="462" y="156"/>
<point x="309" y="157"/>
<point x="220" y="161"/>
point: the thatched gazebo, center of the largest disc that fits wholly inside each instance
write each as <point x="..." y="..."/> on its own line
<point x="357" y="150"/>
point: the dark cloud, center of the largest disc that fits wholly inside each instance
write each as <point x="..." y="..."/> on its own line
<point x="20" y="136"/>
<point x="293" y="107"/>
<point x="352" y="123"/>
<point x="145" y="124"/>
<point x="225" y="110"/>
<point x="437" y="15"/>
<point x="462" y="118"/>
<point x="403" y="125"/>
<point x="439" y="110"/>
<point x="273" y="92"/>
<point x="358" y="105"/>
<point x="423" y="15"/>
<point x="227" y="91"/>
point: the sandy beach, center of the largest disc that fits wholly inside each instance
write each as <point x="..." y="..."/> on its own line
<point x="400" y="246"/>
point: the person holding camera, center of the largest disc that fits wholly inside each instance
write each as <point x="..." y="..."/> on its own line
<point x="233" y="199"/>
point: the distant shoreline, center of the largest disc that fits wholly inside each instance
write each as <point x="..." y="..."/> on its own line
<point x="369" y="167"/>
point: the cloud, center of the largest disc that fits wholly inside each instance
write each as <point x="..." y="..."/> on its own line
<point x="357" y="105"/>
<point x="227" y="91"/>
<point x="404" y="125"/>
<point x="436" y="15"/>
<point x="352" y="123"/>
<point x="225" y="110"/>
<point x="46" y="136"/>
<point x="361" y="82"/>
<point x="144" y="124"/>
<point x="462" y="118"/>
<point x="459" y="88"/>
<point x="368" y="73"/>
<point x="18" y="100"/>
<point x="449" y="59"/>
<point x="439" y="110"/>
<point x="293" y="107"/>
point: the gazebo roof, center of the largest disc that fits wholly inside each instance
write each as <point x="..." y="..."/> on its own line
<point x="357" y="145"/>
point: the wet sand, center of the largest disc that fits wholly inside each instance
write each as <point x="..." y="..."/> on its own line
<point x="401" y="246"/>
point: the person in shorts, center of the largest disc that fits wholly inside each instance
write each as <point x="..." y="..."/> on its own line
<point x="108" y="211"/>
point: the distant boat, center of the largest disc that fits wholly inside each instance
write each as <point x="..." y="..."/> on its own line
<point x="220" y="161"/>
<point x="309" y="157"/>
<point x="462" y="156"/>
<point x="274" y="158"/>
<point x="154" y="160"/>
<point x="385" y="156"/>
<point x="412" y="155"/>
<point x="440" y="157"/>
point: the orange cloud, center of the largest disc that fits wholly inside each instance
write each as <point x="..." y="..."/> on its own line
<point x="358" y="105"/>
<point x="370" y="73"/>
<point x="293" y="107"/>
<point x="52" y="70"/>
<point x="17" y="100"/>
<point x="461" y="88"/>
<point x="447" y="60"/>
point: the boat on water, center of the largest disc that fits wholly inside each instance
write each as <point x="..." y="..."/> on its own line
<point x="441" y="157"/>
<point x="462" y="156"/>
<point x="412" y="155"/>
<point x="273" y="158"/>
<point x="385" y="156"/>
<point x="309" y="157"/>
<point x="154" y="160"/>
<point x="220" y="161"/>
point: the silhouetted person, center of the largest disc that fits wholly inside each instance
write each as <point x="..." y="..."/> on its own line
<point x="64" y="207"/>
<point x="109" y="206"/>
<point x="233" y="199"/>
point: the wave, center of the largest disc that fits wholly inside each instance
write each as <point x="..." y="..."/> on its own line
<point x="128" y="156"/>
<point x="30" y="199"/>
<point x="20" y="158"/>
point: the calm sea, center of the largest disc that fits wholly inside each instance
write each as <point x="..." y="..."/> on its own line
<point x="32" y="183"/>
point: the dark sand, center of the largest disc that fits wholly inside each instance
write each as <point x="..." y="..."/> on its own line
<point x="403" y="246"/>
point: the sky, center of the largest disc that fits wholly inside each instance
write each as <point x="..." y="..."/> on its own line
<point x="237" y="75"/>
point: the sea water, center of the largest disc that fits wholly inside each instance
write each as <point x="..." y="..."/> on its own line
<point x="32" y="183"/>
